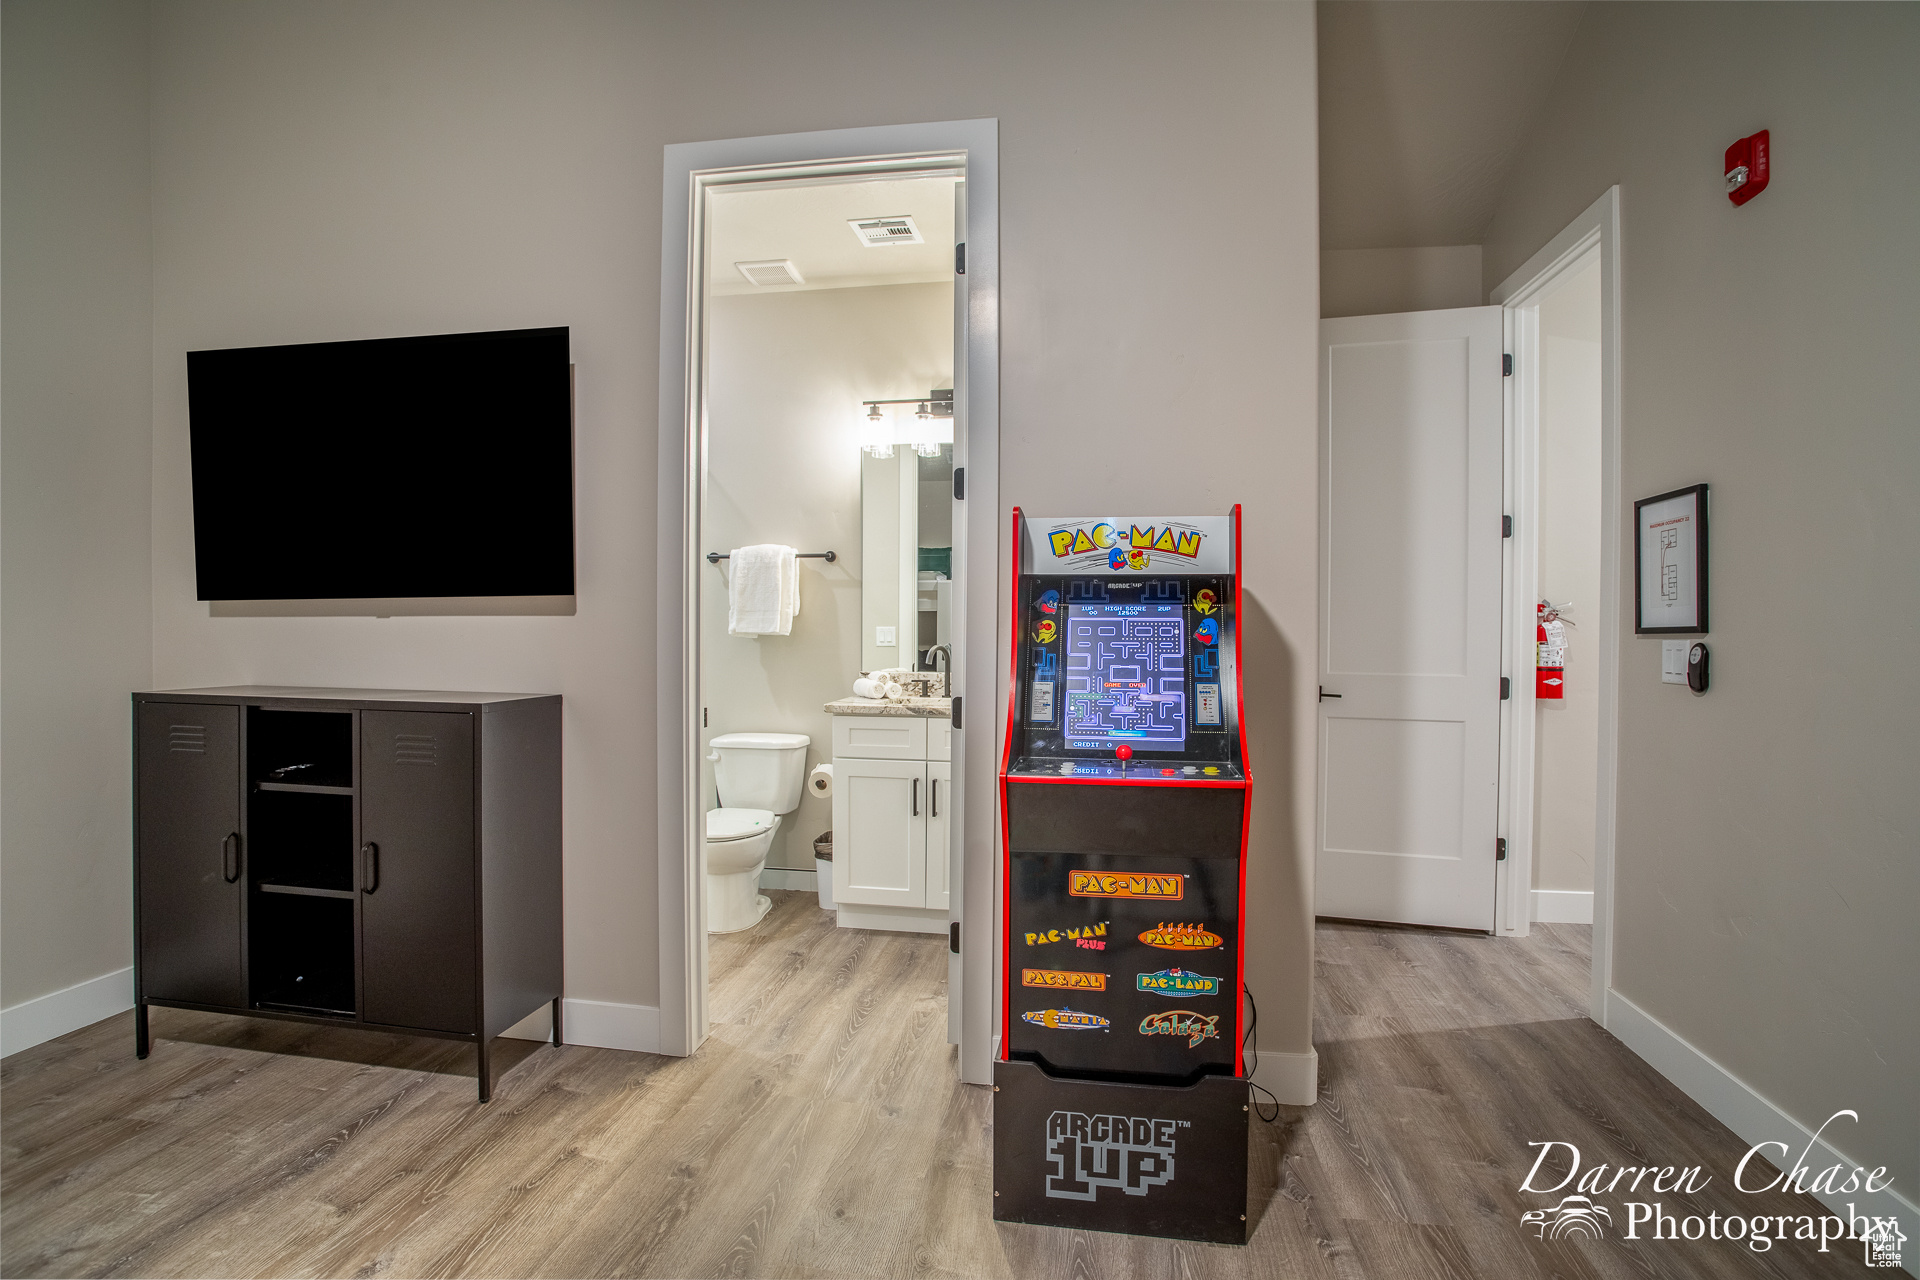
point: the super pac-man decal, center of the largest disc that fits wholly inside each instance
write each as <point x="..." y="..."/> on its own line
<point x="1180" y="937"/>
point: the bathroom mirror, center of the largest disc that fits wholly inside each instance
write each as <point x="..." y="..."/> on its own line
<point x="906" y="547"/>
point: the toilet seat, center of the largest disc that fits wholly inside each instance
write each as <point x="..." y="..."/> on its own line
<point x="738" y="824"/>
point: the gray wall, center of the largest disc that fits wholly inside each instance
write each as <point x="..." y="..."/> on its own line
<point x="1766" y="873"/>
<point x="75" y="339"/>
<point x="353" y="169"/>
<point x="1373" y="282"/>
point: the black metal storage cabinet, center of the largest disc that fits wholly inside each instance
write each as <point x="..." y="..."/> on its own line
<point x="387" y="859"/>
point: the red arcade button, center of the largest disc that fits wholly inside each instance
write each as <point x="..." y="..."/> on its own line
<point x="1123" y="752"/>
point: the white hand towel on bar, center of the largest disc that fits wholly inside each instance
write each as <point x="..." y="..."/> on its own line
<point x="763" y="590"/>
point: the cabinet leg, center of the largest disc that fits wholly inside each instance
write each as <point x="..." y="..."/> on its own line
<point x="486" y="1070"/>
<point x="142" y="1042"/>
<point x="557" y="1039"/>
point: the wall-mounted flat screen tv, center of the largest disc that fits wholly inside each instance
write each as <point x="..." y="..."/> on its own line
<point x="434" y="466"/>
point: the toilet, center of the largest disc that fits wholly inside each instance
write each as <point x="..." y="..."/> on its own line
<point x="759" y="777"/>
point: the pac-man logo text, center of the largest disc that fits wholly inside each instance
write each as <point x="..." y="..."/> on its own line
<point x="1065" y="1020"/>
<point x="1082" y="539"/>
<point x="1112" y="884"/>
<point x="1071" y="979"/>
<point x="1180" y="937"/>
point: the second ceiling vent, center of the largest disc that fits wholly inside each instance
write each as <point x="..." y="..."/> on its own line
<point x="772" y="271"/>
<point x="874" y="232"/>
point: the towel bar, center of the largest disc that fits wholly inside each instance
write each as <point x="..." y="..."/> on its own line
<point x="715" y="557"/>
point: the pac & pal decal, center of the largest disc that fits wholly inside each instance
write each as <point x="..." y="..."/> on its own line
<point x="1069" y="978"/>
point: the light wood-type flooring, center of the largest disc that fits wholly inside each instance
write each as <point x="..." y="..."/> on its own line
<point x="820" y="1132"/>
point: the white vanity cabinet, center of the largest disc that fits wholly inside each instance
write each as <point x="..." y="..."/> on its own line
<point x="892" y="794"/>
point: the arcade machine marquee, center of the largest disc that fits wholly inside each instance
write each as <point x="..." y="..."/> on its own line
<point x="1120" y="1095"/>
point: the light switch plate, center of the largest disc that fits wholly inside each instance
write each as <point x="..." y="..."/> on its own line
<point x="1673" y="661"/>
<point x="883" y="639"/>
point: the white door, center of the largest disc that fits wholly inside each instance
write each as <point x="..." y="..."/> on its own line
<point x="939" y="823"/>
<point x="880" y="832"/>
<point x="1411" y="416"/>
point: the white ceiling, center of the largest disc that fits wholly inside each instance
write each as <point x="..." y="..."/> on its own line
<point x="808" y="224"/>
<point x="1423" y="106"/>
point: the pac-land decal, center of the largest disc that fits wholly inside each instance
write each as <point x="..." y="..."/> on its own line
<point x="1177" y="982"/>
<point x="1113" y="884"/>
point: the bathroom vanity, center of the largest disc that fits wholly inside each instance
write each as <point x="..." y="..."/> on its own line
<point x="892" y="796"/>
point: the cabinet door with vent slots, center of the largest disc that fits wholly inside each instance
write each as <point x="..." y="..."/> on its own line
<point x="190" y="870"/>
<point x="416" y="869"/>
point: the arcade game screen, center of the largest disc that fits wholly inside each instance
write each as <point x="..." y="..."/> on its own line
<point x="1126" y="676"/>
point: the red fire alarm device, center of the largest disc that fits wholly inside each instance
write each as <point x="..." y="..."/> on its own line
<point x="1747" y="168"/>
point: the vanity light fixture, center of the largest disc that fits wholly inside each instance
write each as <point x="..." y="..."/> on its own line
<point x="932" y="425"/>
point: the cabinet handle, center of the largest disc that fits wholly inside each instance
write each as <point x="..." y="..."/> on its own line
<point x="369" y="867"/>
<point x="933" y="794"/>
<point x="916" y="797"/>
<point x="230" y="858"/>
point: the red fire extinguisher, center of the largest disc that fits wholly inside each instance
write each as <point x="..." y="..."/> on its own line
<point x="1549" y="669"/>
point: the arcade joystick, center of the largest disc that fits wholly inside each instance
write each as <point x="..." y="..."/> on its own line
<point x="1123" y="752"/>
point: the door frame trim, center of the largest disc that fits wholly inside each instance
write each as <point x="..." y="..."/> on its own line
<point x="1593" y="236"/>
<point x="689" y="171"/>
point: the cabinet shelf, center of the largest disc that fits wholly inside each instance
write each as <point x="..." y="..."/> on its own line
<point x="305" y="890"/>
<point x="304" y="788"/>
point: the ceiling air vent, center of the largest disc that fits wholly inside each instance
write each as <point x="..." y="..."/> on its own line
<point x="773" y="271"/>
<point x="874" y="232"/>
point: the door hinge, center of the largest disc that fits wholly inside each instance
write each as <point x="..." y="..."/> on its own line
<point x="953" y="936"/>
<point x="960" y="258"/>
<point x="703" y="717"/>
<point x="1500" y="849"/>
<point x="956" y="711"/>
<point x="1506" y="526"/>
<point x="1506" y="688"/>
<point x="1506" y="366"/>
<point x="959" y="484"/>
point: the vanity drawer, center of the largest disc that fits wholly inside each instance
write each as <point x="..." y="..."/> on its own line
<point x="939" y="739"/>
<point x="881" y="737"/>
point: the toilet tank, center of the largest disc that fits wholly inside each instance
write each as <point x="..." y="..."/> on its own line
<point x="760" y="770"/>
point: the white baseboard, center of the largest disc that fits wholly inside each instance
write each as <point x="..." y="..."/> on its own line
<point x="1563" y="906"/>
<point x="37" y="1021"/>
<point x="896" y="919"/>
<point x="1735" y="1104"/>
<point x="1292" y="1078"/>
<point x="782" y="878"/>
<point x="596" y="1024"/>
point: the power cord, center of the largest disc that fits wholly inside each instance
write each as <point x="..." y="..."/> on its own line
<point x="1253" y="1025"/>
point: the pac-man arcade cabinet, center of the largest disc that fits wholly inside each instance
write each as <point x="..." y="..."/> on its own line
<point x="1120" y="1100"/>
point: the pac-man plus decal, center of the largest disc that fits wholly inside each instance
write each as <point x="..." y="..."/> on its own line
<point x="1205" y="600"/>
<point x="1208" y="632"/>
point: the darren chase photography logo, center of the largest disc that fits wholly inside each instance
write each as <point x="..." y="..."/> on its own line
<point x="1560" y="1170"/>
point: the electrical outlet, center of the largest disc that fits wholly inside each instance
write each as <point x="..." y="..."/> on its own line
<point x="883" y="639"/>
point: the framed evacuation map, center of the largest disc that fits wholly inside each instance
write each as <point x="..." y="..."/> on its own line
<point x="1670" y="563"/>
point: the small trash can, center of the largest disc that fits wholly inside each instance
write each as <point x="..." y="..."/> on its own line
<point x="823" y="870"/>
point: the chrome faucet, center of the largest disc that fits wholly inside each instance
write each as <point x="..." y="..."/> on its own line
<point x="945" y="668"/>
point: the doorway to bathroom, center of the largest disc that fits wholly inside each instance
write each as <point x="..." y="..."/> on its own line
<point x="828" y="435"/>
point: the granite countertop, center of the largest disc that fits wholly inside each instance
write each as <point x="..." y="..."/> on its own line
<point x="942" y="707"/>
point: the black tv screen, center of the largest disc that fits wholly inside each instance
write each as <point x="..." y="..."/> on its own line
<point x="435" y="466"/>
